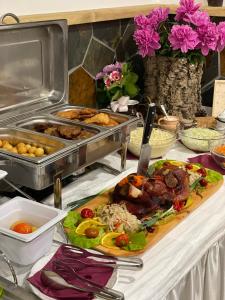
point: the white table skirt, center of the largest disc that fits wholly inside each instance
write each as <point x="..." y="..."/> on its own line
<point x="187" y="264"/>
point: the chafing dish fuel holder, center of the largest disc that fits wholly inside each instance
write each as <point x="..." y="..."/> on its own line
<point x="37" y="144"/>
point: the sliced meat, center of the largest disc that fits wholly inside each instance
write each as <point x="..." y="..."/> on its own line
<point x="171" y="180"/>
<point x="52" y="131"/>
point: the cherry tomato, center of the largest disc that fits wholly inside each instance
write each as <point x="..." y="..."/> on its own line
<point x="178" y="205"/>
<point x="91" y="232"/>
<point x="202" y="171"/>
<point x="122" y="240"/>
<point x="203" y="182"/>
<point x="189" y="166"/>
<point x="87" y="213"/>
<point x="23" y="228"/>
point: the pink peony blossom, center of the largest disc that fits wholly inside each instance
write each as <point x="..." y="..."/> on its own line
<point x="221" y="36"/>
<point x="208" y="37"/>
<point x="142" y="22"/>
<point x="187" y="7"/>
<point x="199" y="18"/>
<point x="159" y="14"/>
<point x="115" y="76"/>
<point x="147" y="41"/>
<point x="183" y="37"/>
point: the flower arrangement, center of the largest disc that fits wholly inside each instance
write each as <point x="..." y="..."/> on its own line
<point x="189" y="34"/>
<point x="116" y="80"/>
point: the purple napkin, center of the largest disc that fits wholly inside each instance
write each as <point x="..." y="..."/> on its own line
<point x="99" y="275"/>
<point x="207" y="161"/>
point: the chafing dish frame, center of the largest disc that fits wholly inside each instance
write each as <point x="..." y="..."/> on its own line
<point x="51" y="95"/>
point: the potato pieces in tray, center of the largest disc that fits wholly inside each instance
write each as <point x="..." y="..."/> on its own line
<point x="25" y="149"/>
<point x="89" y="116"/>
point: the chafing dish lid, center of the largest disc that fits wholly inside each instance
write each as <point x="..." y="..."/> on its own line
<point x="34" y="70"/>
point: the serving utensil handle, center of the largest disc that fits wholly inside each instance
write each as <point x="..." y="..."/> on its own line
<point x="149" y="123"/>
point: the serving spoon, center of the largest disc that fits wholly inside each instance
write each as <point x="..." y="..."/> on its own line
<point x="164" y="110"/>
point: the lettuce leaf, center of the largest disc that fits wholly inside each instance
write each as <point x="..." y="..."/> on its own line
<point x="213" y="176"/>
<point x="1" y="292"/>
<point x="72" y="219"/>
<point x="137" y="241"/>
<point x="83" y="241"/>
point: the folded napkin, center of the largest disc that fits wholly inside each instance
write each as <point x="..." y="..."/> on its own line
<point x="99" y="275"/>
<point x="207" y="161"/>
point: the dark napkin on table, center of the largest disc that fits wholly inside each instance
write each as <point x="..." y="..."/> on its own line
<point x="99" y="275"/>
<point x="207" y="161"/>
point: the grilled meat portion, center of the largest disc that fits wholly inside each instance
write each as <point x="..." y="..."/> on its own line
<point x="145" y="195"/>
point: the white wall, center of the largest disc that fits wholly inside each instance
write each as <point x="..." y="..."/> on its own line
<point x="28" y="7"/>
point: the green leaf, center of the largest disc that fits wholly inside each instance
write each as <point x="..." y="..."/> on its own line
<point x="117" y="95"/>
<point x="131" y="89"/>
<point x="213" y="176"/>
<point x="1" y="292"/>
<point x="137" y="241"/>
<point x="83" y="241"/>
<point x="72" y="219"/>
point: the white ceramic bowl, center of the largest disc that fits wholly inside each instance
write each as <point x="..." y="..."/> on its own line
<point x="25" y="249"/>
<point x="160" y="143"/>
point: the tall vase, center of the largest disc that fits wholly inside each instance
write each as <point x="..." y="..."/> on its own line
<point x="174" y="82"/>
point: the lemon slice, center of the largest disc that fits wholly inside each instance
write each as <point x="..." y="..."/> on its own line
<point x="108" y="240"/>
<point x="87" y="224"/>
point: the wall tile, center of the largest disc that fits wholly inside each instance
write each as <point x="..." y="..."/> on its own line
<point x="82" y="88"/>
<point x="78" y="40"/>
<point x="97" y="57"/>
<point x="127" y="46"/>
<point x="108" y="32"/>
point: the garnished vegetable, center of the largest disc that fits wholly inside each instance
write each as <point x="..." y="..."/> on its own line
<point x="72" y="219"/>
<point x="89" y="223"/>
<point x="91" y="232"/>
<point x="108" y="240"/>
<point x="83" y="241"/>
<point x="203" y="182"/>
<point x="122" y="240"/>
<point x="87" y="213"/>
<point x="23" y="228"/>
<point x="137" y="241"/>
<point x="202" y="172"/>
<point x="1" y="292"/>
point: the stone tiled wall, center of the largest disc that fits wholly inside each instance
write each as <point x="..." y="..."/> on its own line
<point x="91" y="47"/>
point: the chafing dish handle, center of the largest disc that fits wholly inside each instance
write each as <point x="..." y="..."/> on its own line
<point x="8" y="15"/>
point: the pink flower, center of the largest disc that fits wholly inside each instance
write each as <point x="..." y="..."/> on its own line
<point x="115" y="76"/>
<point x="183" y="37"/>
<point x="147" y="41"/>
<point x="109" y="68"/>
<point x="160" y="14"/>
<point x="199" y="18"/>
<point x="107" y="82"/>
<point x="221" y="36"/>
<point x="142" y="22"/>
<point x="208" y="37"/>
<point x="187" y="7"/>
<point x="100" y="75"/>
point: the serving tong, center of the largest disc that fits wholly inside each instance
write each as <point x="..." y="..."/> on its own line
<point x="126" y="263"/>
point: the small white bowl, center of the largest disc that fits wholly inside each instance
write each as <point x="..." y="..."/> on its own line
<point x="25" y="249"/>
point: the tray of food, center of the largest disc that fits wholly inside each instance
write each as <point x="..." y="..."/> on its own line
<point x="103" y="118"/>
<point x="135" y="214"/>
<point x="61" y="129"/>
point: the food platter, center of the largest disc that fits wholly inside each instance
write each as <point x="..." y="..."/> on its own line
<point x="166" y="224"/>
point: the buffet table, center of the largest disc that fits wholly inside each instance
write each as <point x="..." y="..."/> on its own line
<point x="188" y="263"/>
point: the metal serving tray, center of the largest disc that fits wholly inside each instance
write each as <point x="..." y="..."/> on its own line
<point x="31" y="123"/>
<point x="36" y="172"/>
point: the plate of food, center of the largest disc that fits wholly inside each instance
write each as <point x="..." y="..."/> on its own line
<point x="135" y="214"/>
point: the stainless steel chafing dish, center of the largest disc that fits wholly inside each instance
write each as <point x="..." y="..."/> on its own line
<point x="33" y="87"/>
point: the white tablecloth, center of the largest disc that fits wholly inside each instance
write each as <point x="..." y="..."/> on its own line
<point x="187" y="264"/>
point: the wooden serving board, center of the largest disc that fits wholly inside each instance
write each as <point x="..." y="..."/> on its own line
<point x="162" y="229"/>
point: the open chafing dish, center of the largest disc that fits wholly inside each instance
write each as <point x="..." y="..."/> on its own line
<point x="33" y="88"/>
